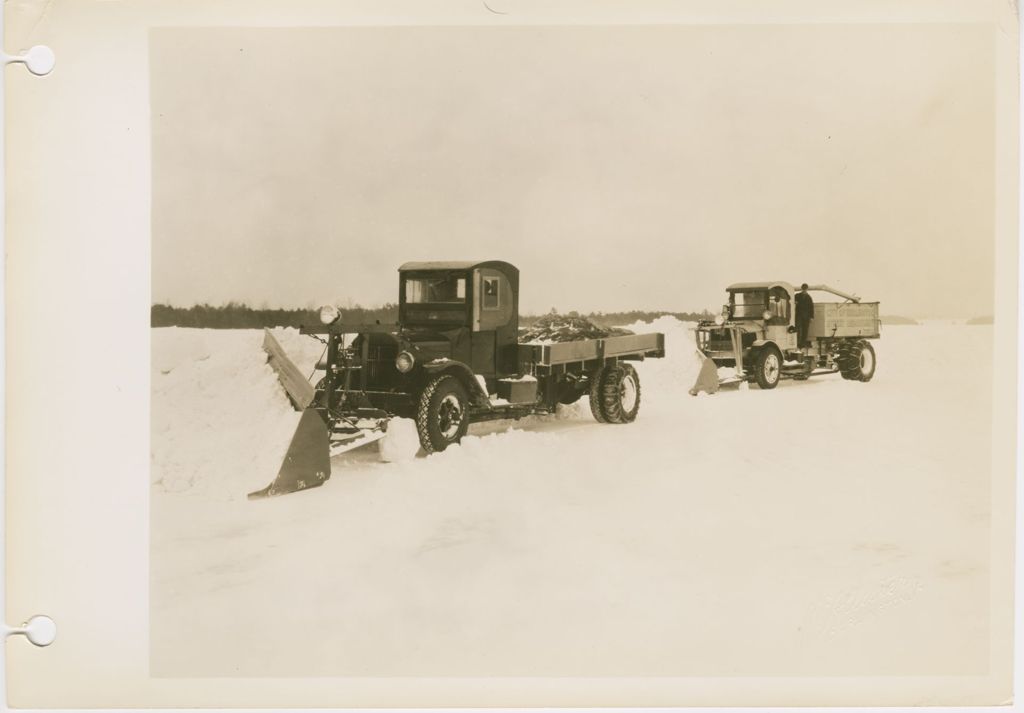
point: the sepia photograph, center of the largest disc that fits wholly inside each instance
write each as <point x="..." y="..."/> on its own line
<point x="511" y="356"/>
<point x="583" y="351"/>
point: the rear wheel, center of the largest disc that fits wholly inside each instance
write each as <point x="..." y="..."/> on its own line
<point x="442" y="416"/>
<point x="620" y="394"/>
<point x="596" y="382"/>
<point x="768" y="368"/>
<point x="857" y="360"/>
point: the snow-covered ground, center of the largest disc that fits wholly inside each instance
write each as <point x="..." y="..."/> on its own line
<point x="825" y="527"/>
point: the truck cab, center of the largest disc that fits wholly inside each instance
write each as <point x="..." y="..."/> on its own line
<point x="464" y="311"/>
<point x="766" y="309"/>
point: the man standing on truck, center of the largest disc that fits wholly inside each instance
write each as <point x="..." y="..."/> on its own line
<point x="804" y="313"/>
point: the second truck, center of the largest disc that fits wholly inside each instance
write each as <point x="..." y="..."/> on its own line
<point x="756" y="334"/>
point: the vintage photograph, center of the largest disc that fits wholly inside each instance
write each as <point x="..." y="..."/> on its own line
<point x="572" y="351"/>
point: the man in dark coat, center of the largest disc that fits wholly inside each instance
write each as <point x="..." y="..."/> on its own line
<point x="804" y="313"/>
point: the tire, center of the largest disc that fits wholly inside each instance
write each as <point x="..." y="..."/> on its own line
<point x="846" y="360"/>
<point x="596" y="383"/>
<point x="620" y="394"/>
<point x="768" y="368"/>
<point x="442" y="416"/>
<point x="857" y="360"/>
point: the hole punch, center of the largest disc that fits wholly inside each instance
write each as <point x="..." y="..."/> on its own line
<point x="40" y="630"/>
<point x="39" y="60"/>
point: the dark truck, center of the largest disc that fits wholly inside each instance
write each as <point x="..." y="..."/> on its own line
<point x="454" y="358"/>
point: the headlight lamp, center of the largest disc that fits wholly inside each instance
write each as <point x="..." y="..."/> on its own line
<point x="328" y="314"/>
<point x="766" y="315"/>
<point x="404" y="362"/>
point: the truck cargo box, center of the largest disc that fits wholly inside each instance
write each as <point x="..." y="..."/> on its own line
<point x="845" y="319"/>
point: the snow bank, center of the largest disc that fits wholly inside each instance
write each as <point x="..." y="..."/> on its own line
<point x="219" y="415"/>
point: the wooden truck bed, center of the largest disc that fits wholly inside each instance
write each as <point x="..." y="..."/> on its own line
<point x="639" y="345"/>
<point x="845" y="319"/>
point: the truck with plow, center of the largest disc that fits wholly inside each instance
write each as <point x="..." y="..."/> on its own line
<point x="756" y="333"/>
<point x="453" y="358"/>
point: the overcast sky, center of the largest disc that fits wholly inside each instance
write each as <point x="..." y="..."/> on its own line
<point x="617" y="167"/>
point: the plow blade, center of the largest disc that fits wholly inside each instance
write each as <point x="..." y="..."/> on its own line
<point x="707" y="379"/>
<point x="307" y="464"/>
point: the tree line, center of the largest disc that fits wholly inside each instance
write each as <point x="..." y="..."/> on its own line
<point x="234" y="315"/>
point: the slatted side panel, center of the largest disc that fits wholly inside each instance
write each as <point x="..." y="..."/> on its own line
<point x="839" y="319"/>
<point x="300" y="391"/>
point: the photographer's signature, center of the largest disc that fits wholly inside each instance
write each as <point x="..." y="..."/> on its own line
<point x="853" y="606"/>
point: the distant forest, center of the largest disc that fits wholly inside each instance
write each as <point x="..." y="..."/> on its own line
<point x="239" y="316"/>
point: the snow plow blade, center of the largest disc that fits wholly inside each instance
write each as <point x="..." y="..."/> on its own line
<point x="307" y="464"/>
<point x="707" y="379"/>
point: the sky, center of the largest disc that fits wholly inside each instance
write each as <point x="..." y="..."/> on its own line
<point x="628" y="167"/>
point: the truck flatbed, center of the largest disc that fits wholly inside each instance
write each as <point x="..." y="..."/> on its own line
<point x="622" y="346"/>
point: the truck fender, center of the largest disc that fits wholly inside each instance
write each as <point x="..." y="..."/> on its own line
<point x="765" y="342"/>
<point x="462" y="372"/>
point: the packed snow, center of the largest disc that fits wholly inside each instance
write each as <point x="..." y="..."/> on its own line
<point x="747" y="532"/>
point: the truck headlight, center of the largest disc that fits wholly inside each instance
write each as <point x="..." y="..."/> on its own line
<point x="328" y="314"/>
<point x="766" y="315"/>
<point x="719" y="320"/>
<point x="404" y="362"/>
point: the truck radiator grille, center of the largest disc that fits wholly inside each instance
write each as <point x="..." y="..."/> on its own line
<point x="380" y="363"/>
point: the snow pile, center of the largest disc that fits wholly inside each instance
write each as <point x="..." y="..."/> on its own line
<point x="220" y="420"/>
<point x="402" y="441"/>
<point x="664" y="381"/>
<point x="303" y="349"/>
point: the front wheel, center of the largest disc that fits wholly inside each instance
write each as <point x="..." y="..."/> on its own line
<point x="442" y="417"/>
<point x="768" y="368"/>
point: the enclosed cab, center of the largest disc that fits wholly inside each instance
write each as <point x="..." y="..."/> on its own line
<point x="466" y="311"/>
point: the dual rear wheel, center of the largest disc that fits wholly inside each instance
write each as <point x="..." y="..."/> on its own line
<point x="615" y="394"/>
<point x="857" y="360"/>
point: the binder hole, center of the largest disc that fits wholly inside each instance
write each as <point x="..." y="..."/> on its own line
<point x="40" y="630"/>
<point x="40" y="61"/>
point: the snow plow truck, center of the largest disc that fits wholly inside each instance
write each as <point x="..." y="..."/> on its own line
<point x="453" y="358"/>
<point x="756" y="333"/>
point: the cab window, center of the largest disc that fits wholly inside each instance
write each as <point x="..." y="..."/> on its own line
<point x="490" y="293"/>
<point x="435" y="290"/>
<point x="749" y="304"/>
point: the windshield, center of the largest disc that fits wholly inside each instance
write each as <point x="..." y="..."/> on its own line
<point x="748" y="304"/>
<point x="448" y="289"/>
